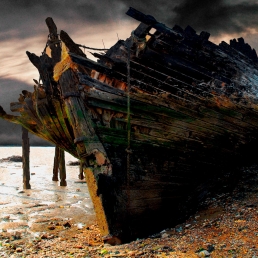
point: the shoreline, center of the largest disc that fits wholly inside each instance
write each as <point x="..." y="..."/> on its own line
<point x="226" y="225"/>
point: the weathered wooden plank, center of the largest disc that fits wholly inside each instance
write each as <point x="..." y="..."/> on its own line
<point x="192" y="68"/>
<point x="221" y="108"/>
<point x="50" y="128"/>
<point x="145" y="98"/>
<point x="227" y="119"/>
<point x="138" y="141"/>
<point x="137" y="106"/>
<point x="164" y="65"/>
<point x="78" y="118"/>
<point x="61" y="117"/>
<point x="164" y="119"/>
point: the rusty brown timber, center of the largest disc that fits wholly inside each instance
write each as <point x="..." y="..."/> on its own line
<point x="193" y="119"/>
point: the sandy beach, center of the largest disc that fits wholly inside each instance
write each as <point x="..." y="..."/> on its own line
<point x="54" y="221"/>
<point x="28" y="214"/>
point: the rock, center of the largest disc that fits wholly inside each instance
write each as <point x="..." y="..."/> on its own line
<point x="67" y="224"/>
<point x="179" y="229"/>
<point x="13" y="158"/>
<point x="19" y="250"/>
<point x="112" y="240"/>
<point x="44" y="236"/>
<point x="204" y="253"/>
<point x="6" y="218"/>
<point x="17" y="235"/>
<point x="132" y="253"/>
<point x="210" y="248"/>
<point x="51" y="227"/>
<point x="164" y="235"/>
<point x="73" y="163"/>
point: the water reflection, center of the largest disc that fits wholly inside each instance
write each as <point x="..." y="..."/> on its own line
<point x="30" y="209"/>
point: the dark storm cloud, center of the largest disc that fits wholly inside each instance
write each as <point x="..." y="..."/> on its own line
<point x="88" y="10"/>
<point x="24" y="17"/>
<point x="217" y="16"/>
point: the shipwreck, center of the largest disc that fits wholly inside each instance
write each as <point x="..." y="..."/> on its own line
<point x="158" y="120"/>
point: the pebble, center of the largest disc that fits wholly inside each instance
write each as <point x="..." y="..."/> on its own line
<point x="51" y="227"/>
<point x="19" y="250"/>
<point x="67" y="224"/>
<point x="44" y="236"/>
<point x="179" y="229"/>
<point x="164" y="235"/>
<point x="6" y="217"/>
<point x="204" y="253"/>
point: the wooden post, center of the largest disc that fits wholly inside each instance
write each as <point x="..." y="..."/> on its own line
<point x="62" y="168"/>
<point x="81" y="175"/>
<point x="26" y="159"/>
<point x="56" y="164"/>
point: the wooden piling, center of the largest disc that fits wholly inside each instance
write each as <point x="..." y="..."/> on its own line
<point x="26" y="159"/>
<point x="62" y="168"/>
<point x="81" y="175"/>
<point x="59" y="165"/>
<point x="56" y="164"/>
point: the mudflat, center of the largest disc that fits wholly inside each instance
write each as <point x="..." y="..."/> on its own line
<point x="226" y="225"/>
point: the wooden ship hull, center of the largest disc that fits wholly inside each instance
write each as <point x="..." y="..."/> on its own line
<point x="159" y="120"/>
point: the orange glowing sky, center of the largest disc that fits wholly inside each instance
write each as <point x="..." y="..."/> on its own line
<point x="88" y="22"/>
<point x="16" y="63"/>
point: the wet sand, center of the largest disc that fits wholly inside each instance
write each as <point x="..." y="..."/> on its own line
<point x="54" y="221"/>
<point x="46" y="206"/>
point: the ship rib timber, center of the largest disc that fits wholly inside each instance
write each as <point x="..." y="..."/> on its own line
<point x="193" y="120"/>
